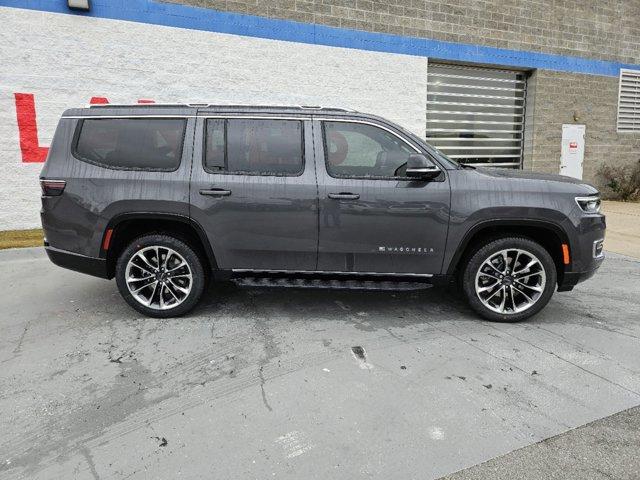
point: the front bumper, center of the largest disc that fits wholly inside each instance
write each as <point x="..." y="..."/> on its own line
<point x="571" y="279"/>
<point x="96" y="267"/>
<point x="585" y="259"/>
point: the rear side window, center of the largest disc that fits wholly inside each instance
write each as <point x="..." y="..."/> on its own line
<point x="131" y="143"/>
<point x="252" y="146"/>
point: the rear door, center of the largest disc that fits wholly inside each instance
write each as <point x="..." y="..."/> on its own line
<point x="373" y="219"/>
<point x="253" y="190"/>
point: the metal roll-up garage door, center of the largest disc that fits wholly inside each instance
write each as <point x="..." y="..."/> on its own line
<point x="476" y="115"/>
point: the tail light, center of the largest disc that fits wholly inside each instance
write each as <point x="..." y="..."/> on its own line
<point x="52" y="188"/>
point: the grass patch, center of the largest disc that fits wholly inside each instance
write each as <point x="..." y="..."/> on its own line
<point x="21" y="238"/>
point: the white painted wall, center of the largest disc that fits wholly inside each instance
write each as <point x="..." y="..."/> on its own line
<point x="65" y="60"/>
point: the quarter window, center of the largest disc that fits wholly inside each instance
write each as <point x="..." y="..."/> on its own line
<point x="132" y="143"/>
<point x="364" y="151"/>
<point x="254" y="146"/>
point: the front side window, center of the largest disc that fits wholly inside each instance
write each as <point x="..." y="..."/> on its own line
<point x="254" y="146"/>
<point x="364" y="151"/>
<point x="132" y="143"/>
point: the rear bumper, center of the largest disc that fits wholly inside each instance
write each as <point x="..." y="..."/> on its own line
<point x="96" y="267"/>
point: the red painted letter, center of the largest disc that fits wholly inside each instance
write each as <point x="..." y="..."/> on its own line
<point x="31" y="150"/>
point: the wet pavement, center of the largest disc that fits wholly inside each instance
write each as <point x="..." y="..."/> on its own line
<point x="298" y="384"/>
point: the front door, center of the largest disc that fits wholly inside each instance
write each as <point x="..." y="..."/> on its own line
<point x="253" y="190"/>
<point x="373" y="219"/>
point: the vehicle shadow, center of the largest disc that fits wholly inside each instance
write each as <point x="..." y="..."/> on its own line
<point x="370" y="309"/>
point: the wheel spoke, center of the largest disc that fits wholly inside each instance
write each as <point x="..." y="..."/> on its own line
<point x="535" y="288"/>
<point x="520" y="277"/>
<point x="513" y="300"/>
<point x="178" y="287"/>
<point x="161" y="298"/>
<point x="141" y="256"/>
<point x="505" y="258"/>
<point x="182" y="264"/>
<point x="488" y="263"/>
<point x="504" y="298"/>
<point x="525" y="295"/>
<point x="131" y="279"/>
<point x="171" y="292"/>
<point x="153" y="293"/>
<point x="485" y="274"/>
<point x="493" y="294"/>
<point x="182" y="275"/>
<point x="138" y="288"/>
<point x="488" y="287"/>
<point x="527" y="266"/>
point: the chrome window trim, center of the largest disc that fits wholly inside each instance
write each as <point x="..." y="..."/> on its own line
<point x="373" y="124"/>
<point x="275" y="116"/>
<point x="89" y="117"/>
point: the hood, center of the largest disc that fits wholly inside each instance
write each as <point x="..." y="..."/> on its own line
<point x="584" y="187"/>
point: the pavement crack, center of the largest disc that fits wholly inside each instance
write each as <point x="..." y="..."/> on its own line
<point x="18" y="347"/>
<point x="92" y="466"/>
<point x="264" y="395"/>
<point x="269" y="345"/>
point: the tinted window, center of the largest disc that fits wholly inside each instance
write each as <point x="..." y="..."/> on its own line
<point x="128" y="143"/>
<point x="215" y="156"/>
<point x="361" y="150"/>
<point x="263" y="147"/>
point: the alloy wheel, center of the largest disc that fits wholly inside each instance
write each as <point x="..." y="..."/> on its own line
<point x="158" y="277"/>
<point x="510" y="281"/>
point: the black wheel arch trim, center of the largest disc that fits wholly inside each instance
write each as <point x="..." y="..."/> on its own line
<point x="520" y="222"/>
<point x="123" y="217"/>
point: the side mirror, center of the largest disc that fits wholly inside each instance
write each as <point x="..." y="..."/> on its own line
<point x="418" y="166"/>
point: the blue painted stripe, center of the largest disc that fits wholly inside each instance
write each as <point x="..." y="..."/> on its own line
<point x="181" y="16"/>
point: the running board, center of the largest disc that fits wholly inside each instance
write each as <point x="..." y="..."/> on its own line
<point x="330" y="283"/>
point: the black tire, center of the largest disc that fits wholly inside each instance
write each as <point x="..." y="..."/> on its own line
<point x="193" y="261"/>
<point x="491" y="248"/>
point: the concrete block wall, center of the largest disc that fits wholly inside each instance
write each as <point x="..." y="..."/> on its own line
<point x="603" y="29"/>
<point x="553" y="99"/>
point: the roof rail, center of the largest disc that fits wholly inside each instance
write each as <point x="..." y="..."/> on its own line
<point x="213" y="105"/>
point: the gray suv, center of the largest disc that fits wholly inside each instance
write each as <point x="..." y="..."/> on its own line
<point x="167" y="197"/>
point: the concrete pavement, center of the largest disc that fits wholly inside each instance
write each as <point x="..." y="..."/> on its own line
<point x="272" y="384"/>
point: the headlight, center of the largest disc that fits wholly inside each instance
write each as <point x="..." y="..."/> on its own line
<point x="589" y="204"/>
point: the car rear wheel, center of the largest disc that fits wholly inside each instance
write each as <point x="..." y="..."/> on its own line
<point x="160" y="276"/>
<point x="509" y="279"/>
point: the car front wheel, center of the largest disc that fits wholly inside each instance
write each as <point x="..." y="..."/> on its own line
<point x="160" y="276"/>
<point x="509" y="279"/>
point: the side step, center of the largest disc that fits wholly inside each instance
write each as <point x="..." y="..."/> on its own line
<point x="330" y="283"/>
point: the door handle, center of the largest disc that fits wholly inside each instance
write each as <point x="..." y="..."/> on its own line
<point x="344" y="196"/>
<point x="216" y="192"/>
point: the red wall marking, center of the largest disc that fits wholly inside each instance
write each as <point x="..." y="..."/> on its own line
<point x="30" y="147"/>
